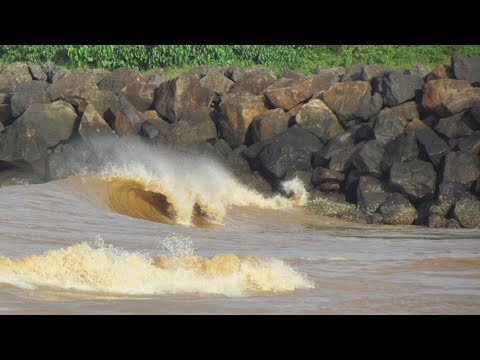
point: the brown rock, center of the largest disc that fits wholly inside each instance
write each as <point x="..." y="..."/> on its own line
<point x="414" y="125"/>
<point x="128" y="120"/>
<point x="436" y="91"/>
<point x="140" y="94"/>
<point x="201" y="123"/>
<point x="7" y="84"/>
<point x="155" y="76"/>
<point x="442" y="71"/>
<point x="103" y="101"/>
<point x="255" y="82"/>
<point x="237" y="111"/>
<point x="267" y="125"/>
<point x="153" y="117"/>
<point x="118" y="79"/>
<point x="181" y="95"/>
<point x="461" y="100"/>
<point x="93" y="126"/>
<point x="37" y="73"/>
<point x="79" y="79"/>
<point x="5" y="114"/>
<point x="408" y="111"/>
<point x="368" y="72"/>
<point x="216" y="81"/>
<point x="18" y="71"/>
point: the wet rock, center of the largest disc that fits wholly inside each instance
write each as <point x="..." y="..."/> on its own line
<point x="461" y="168"/>
<point x="453" y="126"/>
<point x="351" y="102"/>
<point x="150" y="130"/>
<point x="437" y="221"/>
<point x="403" y="148"/>
<point x="181" y="95"/>
<point x="337" y="153"/>
<point x="237" y="111"/>
<point x="18" y="71"/>
<point x="415" y="179"/>
<point x="431" y="144"/>
<point x="37" y="73"/>
<point x="255" y="82"/>
<point x="70" y="159"/>
<point x="201" y="123"/>
<point x="399" y="87"/>
<point x="267" y="125"/>
<point x="397" y="210"/>
<point x="326" y="205"/>
<point x="369" y="157"/>
<point x="176" y="134"/>
<point x="92" y="126"/>
<point x="216" y="81"/>
<point x="470" y="144"/>
<point x="287" y="97"/>
<point x="118" y="79"/>
<point x="368" y="72"/>
<point x="370" y="194"/>
<point x="436" y="91"/>
<point x="353" y="73"/>
<point x="461" y="100"/>
<point x="467" y="212"/>
<point x="28" y="93"/>
<point x="467" y="68"/>
<point x="223" y="147"/>
<point x="255" y="181"/>
<point x="53" y="71"/>
<point x="388" y="127"/>
<point x="103" y="101"/>
<point x="317" y="118"/>
<point x="53" y="122"/>
<point x="128" y="120"/>
<point x="140" y="94"/>
<point x="78" y="79"/>
<point x="321" y="175"/>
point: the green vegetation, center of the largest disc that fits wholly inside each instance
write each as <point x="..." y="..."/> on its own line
<point x="301" y="58"/>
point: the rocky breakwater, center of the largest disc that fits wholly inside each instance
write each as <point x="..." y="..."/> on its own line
<point x="371" y="145"/>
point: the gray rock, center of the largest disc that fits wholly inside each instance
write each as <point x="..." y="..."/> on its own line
<point x="415" y="179"/>
<point x="431" y="144"/>
<point x="369" y="157"/>
<point x="28" y="93"/>
<point x="336" y="153"/>
<point x="201" y="122"/>
<point x="329" y="205"/>
<point x="118" y="79"/>
<point x="368" y="72"/>
<point x="388" y="127"/>
<point x="104" y="101"/>
<point x="321" y="175"/>
<point x="461" y="168"/>
<point x="470" y="144"/>
<point x="397" y="210"/>
<point x="78" y="79"/>
<point x="467" y="212"/>
<point x="223" y="147"/>
<point x="399" y="87"/>
<point x="216" y="81"/>
<point x="370" y="194"/>
<point x="128" y="120"/>
<point x="453" y="126"/>
<point x="403" y="148"/>
<point x="267" y="124"/>
<point x="37" y="73"/>
<point x="53" y="71"/>
<point x="467" y="68"/>
<point x="18" y="71"/>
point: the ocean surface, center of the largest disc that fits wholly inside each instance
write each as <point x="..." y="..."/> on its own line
<point x="152" y="231"/>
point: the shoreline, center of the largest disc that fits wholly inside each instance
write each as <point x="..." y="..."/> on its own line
<point x="372" y="146"/>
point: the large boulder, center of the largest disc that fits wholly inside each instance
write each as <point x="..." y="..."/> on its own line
<point x="267" y="124"/>
<point x="368" y="158"/>
<point x="92" y="126"/>
<point x="453" y="126"/>
<point x="103" y="101"/>
<point x="216" y="81"/>
<point x="337" y="153"/>
<point x="321" y="175"/>
<point x="353" y="73"/>
<point x="53" y="71"/>
<point x="53" y="122"/>
<point x="397" y="210"/>
<point x="71" y="159"/>
<point x="18" y="71"/>
<point x="352" y="102"/>
<point x="140" y="94"/>
<point x="118" y="79"/>
<point x="337" y="72"/>
<point x="28" y="93"/>
<point x="387" y="127"/>
<point x="467" y="212"/>
<point x="403" y="148"/>
<point x="326" y="205"/>
<point x="128" y="120"/>
<point x="181" y="95"/>
<point x="415" y="179"/>
<point x="461" y="100"/>
<point x="442" y="71"/>
<point x="368" y="72"/>
<point x="255" y="82"/>
<point x="7" y="84"/>
<point x="470" y="144"/>
<point x="37" y="73"/>
<point x="467" y="68"/>
<point x="436" y="91"/>
<point x="78" y="79"/>
<point x="23" y="144"/>
<point x="431" y="144"/>
<point x="370" y="194"/>
<point x="237" y="111"/>
<point x="155" y="76"/>
<point x="287" y="97"/>
<point x="461" y="168"/>
<point x="5" y="110"/>
<point x="399" y="87"/>
<point x="177" y="134"/>
<point x="407" y="111"/>
<point x="317" y="118"/>
<point x="201" y="122"/>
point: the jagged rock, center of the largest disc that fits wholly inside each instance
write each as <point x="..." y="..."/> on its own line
<point x="150" y="130"/>
<point x="408" y="111"/>
<point x="128" y="120"/>
<point x="453" y="126"/>
<point x="317" y="118"/>
<point x="53" y="71"/>
<point x="216" y="81"/>
<point x="415" y="179"/>
<point x="140" y="94"/>
<point x="352" y="102"/>
<point x="414" y="125"/>
<point x="18" y="71"/>
<point x="155" y="76"/>
<point x="181" y="95"/>
<point x="388" y="127"/>
<point x="461" y="100"/>
<point x="336" y="154"/>
<point x="403" y="148"/>
<point x="289" y="74"/>
<point x="368" y="158"/>
<point x="337" y="72"/>
<point x="237" y="111"/>
<point x="79" y="79"/>
<point x="362" y="132"/>
<point x="223" y="147"/>
<point x="470" y="144"/>
<point x="461" y="168"/>
<point x="256" y="182"/>
<point x="397" y="210"/>
<point x="92" y="126"/>
<point x="104" y="101"/>
<point x="255" y="82"/>
<point x="70" y="159"/>
<point x="176" y="134"/>
<point x="353" y="73"/>
<point x="368" y="72"/>
<point x="467" y="212"/>
<point x="201" y="122"/>
<point x="37" y="73"/>
<point x="267" y="125"/>
<point x="419" y="70"/>
<point x="467" y="68"/>
<point x="436" y="91"/>
<point x="370" y="194"/>
<point x="431" y="144"/>
<point x="321" y="175"/>
<point x="118" y="79"/>
<point x="28" y="93"/>
<point x="53" y="122"/>
<point x="5" y="110"/>
<point x="99" y="74"/>
<point x="442" y="71"/>
<point x="326" y="205"/>
<point x="399" y="87"/>
<point x="287" y="97"/>
<point x="7" y="84"/>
